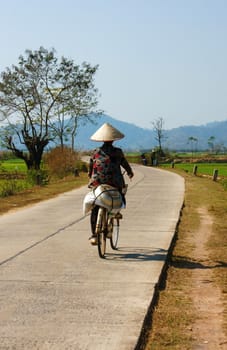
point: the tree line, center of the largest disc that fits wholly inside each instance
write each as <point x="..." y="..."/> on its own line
<point x="160" y="137"/>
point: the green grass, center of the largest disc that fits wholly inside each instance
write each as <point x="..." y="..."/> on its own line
<point x="13" y="165"/>
<point x="37" y="193"/>
<point x="202" y="168"/>
<point x="9" y="185"/>
<point x="12" y="186"/>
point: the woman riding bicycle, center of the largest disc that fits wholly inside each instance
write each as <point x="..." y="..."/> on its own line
<point x="105" y="164"/>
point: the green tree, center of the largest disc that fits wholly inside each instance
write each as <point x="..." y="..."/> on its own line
<point x="211" y="143"/>
<point x="36" y="95"/>
<point x="193" y="143"/>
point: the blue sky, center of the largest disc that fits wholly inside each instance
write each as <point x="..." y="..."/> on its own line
<point x="157" y="58"/>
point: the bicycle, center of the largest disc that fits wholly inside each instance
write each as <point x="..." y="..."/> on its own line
<point x="105" y="219"/>
<point x="106" y="227"/>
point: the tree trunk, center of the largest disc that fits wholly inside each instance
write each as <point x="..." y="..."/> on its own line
<point x="35" y="149"/>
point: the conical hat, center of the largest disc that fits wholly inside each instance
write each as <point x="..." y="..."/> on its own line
<point x="107" y="133"/>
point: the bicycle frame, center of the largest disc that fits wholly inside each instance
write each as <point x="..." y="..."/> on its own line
<point x="106" y="227"/>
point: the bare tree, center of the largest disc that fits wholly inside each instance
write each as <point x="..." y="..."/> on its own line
<point x="33" y="96"/>
<point x="158" y="126"/>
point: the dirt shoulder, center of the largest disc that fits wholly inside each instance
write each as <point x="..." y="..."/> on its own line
<point x="191" y="311"/>
<point x="207" y="330"/>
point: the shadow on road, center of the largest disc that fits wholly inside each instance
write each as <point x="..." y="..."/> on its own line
<point x="138" y="254"/>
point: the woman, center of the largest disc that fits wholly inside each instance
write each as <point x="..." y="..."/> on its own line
<point x="105" y="164"/>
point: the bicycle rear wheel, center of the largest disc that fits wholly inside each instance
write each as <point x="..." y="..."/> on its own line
<point x="115" y="233"/>
<point x="101" y="231"/>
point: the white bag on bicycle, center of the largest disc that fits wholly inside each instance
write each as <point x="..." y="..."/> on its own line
<point x="89" y="202"/>
<point x="104" y="195"/>
<point x="108" y="197"/>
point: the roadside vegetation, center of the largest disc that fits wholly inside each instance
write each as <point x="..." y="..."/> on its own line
<point x="62" y="170"/>
<point x="202" y="168"/>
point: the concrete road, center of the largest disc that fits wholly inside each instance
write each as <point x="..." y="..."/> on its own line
<point x="55" y="291"/>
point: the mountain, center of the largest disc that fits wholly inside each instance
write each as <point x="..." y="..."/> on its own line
<point x="137" y="138"/>
<point x="177" y="139"/>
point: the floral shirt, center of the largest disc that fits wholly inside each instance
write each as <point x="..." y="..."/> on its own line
<point x="105" y="166"/>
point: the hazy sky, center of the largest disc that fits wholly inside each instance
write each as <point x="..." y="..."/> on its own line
<point x="157" y="58"/>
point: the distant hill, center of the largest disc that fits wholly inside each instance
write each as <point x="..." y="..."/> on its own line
<point x="137" y="138"/>
<point x="177" y="139"/>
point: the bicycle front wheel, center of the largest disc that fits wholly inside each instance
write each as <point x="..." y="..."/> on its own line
<point x="115" y="234"/>
<point x="101" y="225"/>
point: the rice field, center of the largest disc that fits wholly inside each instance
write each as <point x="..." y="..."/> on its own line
<point x="9" y="171"/>
<point x="202" y="168"/>
<point x="13" y="166"/>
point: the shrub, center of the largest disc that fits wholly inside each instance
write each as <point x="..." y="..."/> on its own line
<point x="82" y="166"/>
<point x="60" y="161"/>
<point x="38" y="177"/>
<point x="11" y="187"/>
